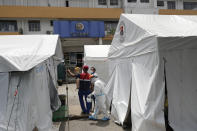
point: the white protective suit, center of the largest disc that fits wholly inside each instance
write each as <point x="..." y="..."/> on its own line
<point x="100" y="99"/>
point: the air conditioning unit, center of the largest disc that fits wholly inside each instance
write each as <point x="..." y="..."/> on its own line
<point x="49" y="32"/>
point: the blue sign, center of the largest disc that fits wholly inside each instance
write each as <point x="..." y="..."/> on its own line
<point x="75" y="29"/>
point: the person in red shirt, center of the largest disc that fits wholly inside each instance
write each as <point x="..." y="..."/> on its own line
<point x="84" y="88"/>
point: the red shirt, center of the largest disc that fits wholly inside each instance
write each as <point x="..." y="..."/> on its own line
<point x="83" y="76"/>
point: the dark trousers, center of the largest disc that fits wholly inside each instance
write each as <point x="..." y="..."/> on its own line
<point x="83" y="94"/>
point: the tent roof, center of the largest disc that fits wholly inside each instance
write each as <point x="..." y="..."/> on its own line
<point x="165" y="25"/>
<point x="139" y="32"/>
<point x="23" y="52"/>
<point x="96" y="52"/>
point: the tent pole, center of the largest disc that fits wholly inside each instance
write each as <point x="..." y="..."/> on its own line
<point x="67" y="101"/>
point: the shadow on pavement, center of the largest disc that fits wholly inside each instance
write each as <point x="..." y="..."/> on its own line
<point x="101" y="123"/>
<point x="62" y="126"/>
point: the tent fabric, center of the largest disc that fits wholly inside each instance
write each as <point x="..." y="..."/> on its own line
<point x="4" y="82"/>
<point x="147" y="99"/>
<point x="37" y="95"/>
<point x="121" y="93"/>
<point x="96" y="56"/>
<point x="32" y="106"/>
<point x="165" y="25"/>
<point x="27" y="51"/>
<point x="181" y="74"/>
<point x="140" y="27"/>
<point x="96" y="52"/>
<point x="143" y="47"/>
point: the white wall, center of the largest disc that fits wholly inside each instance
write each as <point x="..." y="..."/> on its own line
<point x="144" y="11"/>
<point x="179" y="4"/>
<point x="138" y="4"/>
<point x="128" y="6"/>
<point x="59" y="3"/>
<point x="140" y="8"/>
<point x="151" y="7"/>
<point x="44" y="25"/>
<point x="92" y="4"/>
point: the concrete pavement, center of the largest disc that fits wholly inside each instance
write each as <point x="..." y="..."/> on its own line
<point x="83" y="124"/>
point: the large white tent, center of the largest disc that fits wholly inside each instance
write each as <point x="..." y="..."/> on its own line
<point x="28" y="75"/>
<point x="96" y="56"/>
<point x="149" y="52"/>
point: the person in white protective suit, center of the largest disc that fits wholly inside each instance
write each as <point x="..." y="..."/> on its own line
<point x="100" y="99"/>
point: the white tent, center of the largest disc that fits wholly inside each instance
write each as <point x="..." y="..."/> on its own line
<point x="149" y="52"/>
<point x="96" y="56"/>
<point x="28" y="66"/>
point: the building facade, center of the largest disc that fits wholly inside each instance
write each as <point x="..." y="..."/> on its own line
<point x="64" y="3"/>
<point x="42" y="16"/>
<point x="154" y="6"/>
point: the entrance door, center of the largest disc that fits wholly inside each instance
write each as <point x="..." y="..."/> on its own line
<point x="79" y="59"/>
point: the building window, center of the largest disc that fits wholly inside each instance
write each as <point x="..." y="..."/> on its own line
<point x="8" y="26"/>
<point x="160" y="3"/>
<point x="110" y="27"/>
<point x="51" y="22"/>
<point x="113" y="2"/>
<point x="171" y="5"/>
<point x="74" y="59"/>
<point x="190" y="5"/>
<point x="67" y="3"/>
<point x="132" y="0"/>
<point x="144" y="1"/>
<point x="34" y="25"/>
<point x="102" y="2"/>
